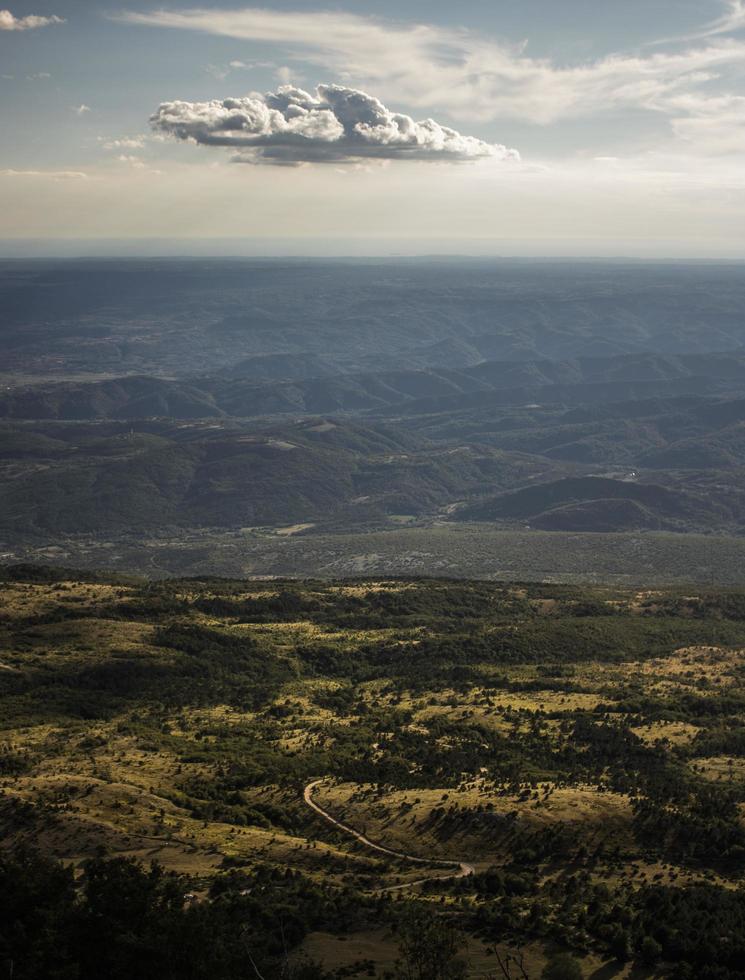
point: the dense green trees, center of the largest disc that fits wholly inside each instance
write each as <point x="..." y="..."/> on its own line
<point x="121" y="921"/>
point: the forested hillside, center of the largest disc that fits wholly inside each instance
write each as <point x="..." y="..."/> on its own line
<point x="552" y="770"/>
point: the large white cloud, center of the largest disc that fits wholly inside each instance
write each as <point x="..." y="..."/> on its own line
<point x="8" y="22"/>
<point x="336" y="123"/>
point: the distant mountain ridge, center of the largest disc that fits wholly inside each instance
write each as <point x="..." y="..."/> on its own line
<point x="178" y="318"/>
<point x="575" y="382"/>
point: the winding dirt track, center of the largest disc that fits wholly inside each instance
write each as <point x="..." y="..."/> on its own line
<point x="464" y="869"/>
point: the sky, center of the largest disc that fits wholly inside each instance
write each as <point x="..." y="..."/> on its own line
<point x="510" y="127"/>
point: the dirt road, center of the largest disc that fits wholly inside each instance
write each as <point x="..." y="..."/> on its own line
<point x="464" y="869"/>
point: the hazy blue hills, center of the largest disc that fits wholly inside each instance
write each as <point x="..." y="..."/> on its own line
<point x="344" y="398"/>
<point x="184" y="317"/>
<point x="583" y="381"/>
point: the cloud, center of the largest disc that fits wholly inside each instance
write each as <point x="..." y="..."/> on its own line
<point x="220" y="72"/>
<point x="731" y="21"/>
<point x="52" y="174"/>
<point x="466" y="74"/>
<point x="124" y="143"/>
<point x="712" y="125"/>
<point x="250" y="65"/>
<point x="336" y="123"/>
<point x="10" y="23"/>
<point x="132" y="160"/>
<point x="283" y="73"/>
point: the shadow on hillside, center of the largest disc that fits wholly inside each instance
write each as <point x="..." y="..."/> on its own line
<point x="613" y="969"/>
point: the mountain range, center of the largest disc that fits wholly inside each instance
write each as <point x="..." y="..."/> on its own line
<point x="564" y="397"/>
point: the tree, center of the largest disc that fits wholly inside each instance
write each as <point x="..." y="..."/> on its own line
<point x="562" y="966"/>
<point x="649" y="951"/>
<point x="428" y="949"/>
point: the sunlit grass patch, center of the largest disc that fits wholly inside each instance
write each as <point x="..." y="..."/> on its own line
<point x="674" y="733"/>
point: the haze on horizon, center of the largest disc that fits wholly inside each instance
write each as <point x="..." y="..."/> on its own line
<point x="512" y="128"/>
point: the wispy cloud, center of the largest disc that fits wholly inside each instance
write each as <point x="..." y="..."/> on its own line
<point x="122" y="143"/>
<point x="250" y="65"/>
<point x="335" y="123"/>
<point x="283" y="73"/>
<point x="731" y="21"/>
<point x="50" y="174"/>
<point x="458" y="71"/>
<point x="133" y="161"/>
<point x="711" y="125"/>
<point x="8" y="22"/>
<point x="220" y="72"/>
